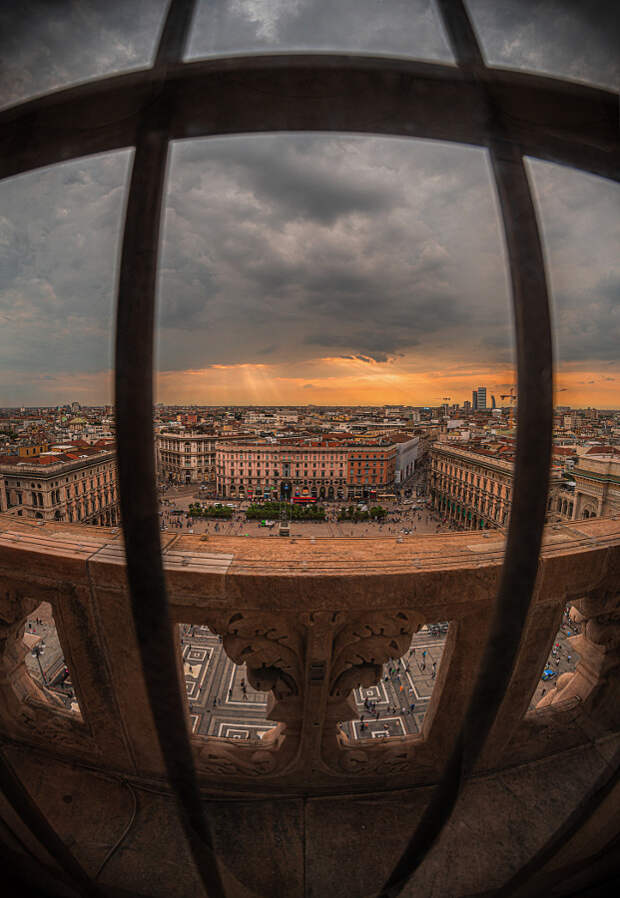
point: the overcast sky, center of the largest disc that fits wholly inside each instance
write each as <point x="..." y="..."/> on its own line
<point x="304" y="268"/>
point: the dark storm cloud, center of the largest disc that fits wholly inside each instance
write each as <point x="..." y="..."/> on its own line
<point x="400" y="27"/>
<point x="46" y="45"/>
<point x="576" y="39"/>
<point x="289" y="179"/>
<point x="591" y="323"/>
<point x="379" y="347"/>
<point x="58" y="250"/>
<point x="581" y="230"/>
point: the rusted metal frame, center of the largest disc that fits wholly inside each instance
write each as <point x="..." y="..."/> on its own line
<point x="557" y="121"/>
<point x="71" y="871"/>
<point x="531" y="472"/>
<point x="135" y="326"/>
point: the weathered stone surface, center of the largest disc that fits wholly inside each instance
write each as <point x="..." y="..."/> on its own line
<point x="312" y="619"/>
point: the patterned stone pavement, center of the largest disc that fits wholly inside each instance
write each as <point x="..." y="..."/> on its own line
<point x="221" y="699"/>
<point x="222" y="702"/>
<point x="398" y="703"/>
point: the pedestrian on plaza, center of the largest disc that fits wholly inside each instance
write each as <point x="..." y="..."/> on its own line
<point x="230" y="694"/>
<point x="412" y="708"/>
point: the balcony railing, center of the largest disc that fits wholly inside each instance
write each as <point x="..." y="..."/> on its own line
<point x="311" y="621"/>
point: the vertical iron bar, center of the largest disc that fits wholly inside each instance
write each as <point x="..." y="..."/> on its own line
<point x="136" y="466"/>
<point x="531" y="470"/>
<point x="461" y="35"/>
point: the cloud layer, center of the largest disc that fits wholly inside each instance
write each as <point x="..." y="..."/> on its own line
<point x="301" y="267"/>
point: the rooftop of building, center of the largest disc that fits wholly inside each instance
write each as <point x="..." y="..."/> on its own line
<point x="55" y="457"/>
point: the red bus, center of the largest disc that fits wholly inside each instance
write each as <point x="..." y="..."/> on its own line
<point x="303" y="500"/>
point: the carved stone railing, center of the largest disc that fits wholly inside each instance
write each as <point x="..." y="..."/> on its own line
<point x="312" y="619"/>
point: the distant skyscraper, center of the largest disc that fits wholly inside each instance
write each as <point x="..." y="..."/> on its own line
<point x="467" y="405"/>
<point x="474" y="399"/>
<point x="492" y="401"/>
<point x="481" y="400"/>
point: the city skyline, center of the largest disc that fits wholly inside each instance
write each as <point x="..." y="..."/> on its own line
<point x="264" y="385"/>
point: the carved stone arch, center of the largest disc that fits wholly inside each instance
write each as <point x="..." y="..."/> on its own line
<point x="360" y="649"/>
<point x="595" y="682"/>
<point x="272" y="648"/>
<point x="28" y="710"/>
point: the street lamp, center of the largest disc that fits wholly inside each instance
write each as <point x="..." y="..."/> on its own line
<point x="37" y="651"/>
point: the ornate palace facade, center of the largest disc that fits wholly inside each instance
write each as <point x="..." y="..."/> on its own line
<point x="76" y="484"/>
<point x="470" y="487"/>
<point x="185" y="457"/>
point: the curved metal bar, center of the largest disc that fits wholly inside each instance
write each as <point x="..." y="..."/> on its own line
<point x="531" y="479"/>
<point x="571" y="124"/>
<point x="136" y="468"/>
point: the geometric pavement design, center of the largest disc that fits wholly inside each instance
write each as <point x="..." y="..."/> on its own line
<point x="223" y="703"/>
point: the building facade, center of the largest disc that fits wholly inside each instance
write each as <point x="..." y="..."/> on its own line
<point x="323" y="469"/>
<point x="372" y="470"/>
<point x="597" y="486"/>
<point x="470" y="488"/>
<point x="473" y="487"/>
<point x="78" y="486"/>
<point x="406" y="458"/>
<point x="186" y="457"/>
<point x="261" y="470"/>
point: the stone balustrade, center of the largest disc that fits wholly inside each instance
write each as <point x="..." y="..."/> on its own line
<point x="312" y="619"/>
